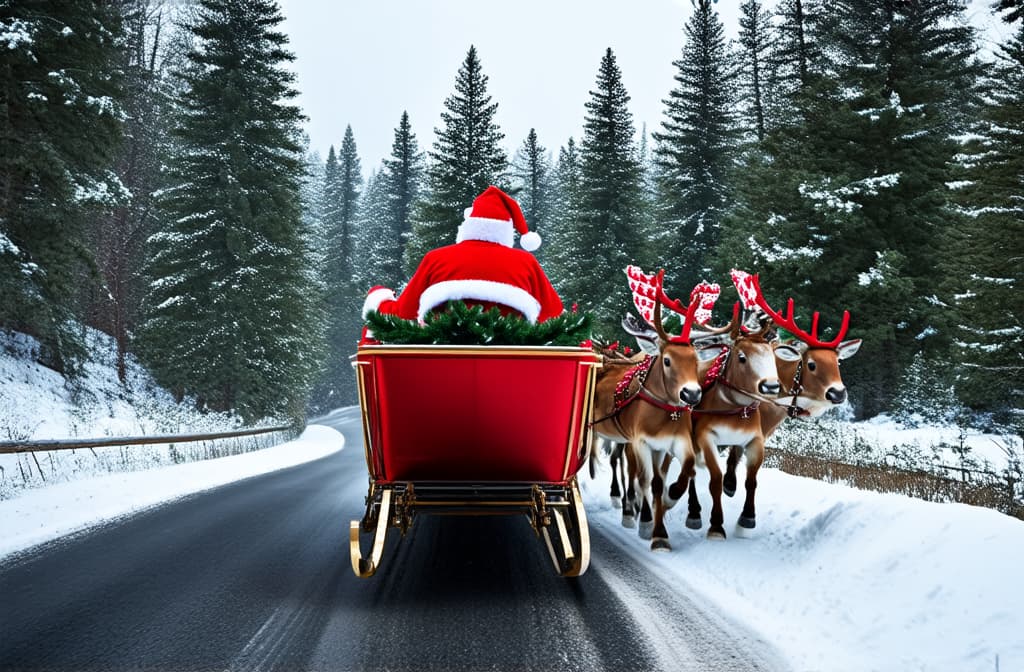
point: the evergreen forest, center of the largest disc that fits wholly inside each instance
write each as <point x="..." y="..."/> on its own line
<point x="862" y="155"/>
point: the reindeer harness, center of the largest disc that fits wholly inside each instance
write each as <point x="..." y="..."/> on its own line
<point x="631" y="388"/>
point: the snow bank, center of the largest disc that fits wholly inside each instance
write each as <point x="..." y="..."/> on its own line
<point x="38" y="403"/>
<point x="48" y="513"/>
<point x="846" y="580"/>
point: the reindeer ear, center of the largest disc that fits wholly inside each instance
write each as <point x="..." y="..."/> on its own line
<point x="848" y="348"/>
<point x="788" y="353"/>
<point x="648" y="347"/>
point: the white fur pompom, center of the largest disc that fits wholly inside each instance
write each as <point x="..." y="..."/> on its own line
<point x="530" y="241"/>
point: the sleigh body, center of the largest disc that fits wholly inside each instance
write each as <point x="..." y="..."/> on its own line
<point x="476" y="430"/>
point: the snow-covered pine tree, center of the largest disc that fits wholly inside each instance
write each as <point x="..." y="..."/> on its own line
<point x="343" y="182"/>
<point x="374" y="232"/>
<point x="908" y="72"/>
<point x="343" y="197"/>
<point x="466" y="159"/>
<point x="231" y="311"/>
<point x="848" y="209"/>
<point x="117" y="238"/>
<point x="1010" y="10"/>
<point x="797" y="55"/>
<point x="60" y="128"/>
<point x="985" y="256"/>
<point x="530" y="168"/>
<point x="648" y="169"/>
<point x="611" y="233"/>
<point x="695" y="150"/>
<point x="401" y="182"/>
<point x="561" y="260"/>
<point x="755" y="76"/>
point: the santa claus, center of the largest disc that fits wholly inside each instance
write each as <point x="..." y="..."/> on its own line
<point x="481" y="268"/>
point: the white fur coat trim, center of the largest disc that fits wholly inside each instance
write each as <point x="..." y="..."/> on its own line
<point x="490" y="230"/>
<point x="479" y="290"/>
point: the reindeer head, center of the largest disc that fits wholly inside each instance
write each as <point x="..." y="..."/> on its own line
<point x="815" y="364"/>
<point x="677" y="358"/>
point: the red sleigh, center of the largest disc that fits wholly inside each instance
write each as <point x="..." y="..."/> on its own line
<point x="475" y="430"/>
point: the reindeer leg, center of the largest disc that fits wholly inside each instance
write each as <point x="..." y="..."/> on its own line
<point x="676" y="490"/>
<point x="616" y="460"/>
<point x="693" y="519"/>
<point x="755" y="457"/>
<point x="729" y="480"/>
<point x="630" y="506"/>
<point x="645" y="470"/>
<point x="716" y="530"/>
<point x="659" y="535"/>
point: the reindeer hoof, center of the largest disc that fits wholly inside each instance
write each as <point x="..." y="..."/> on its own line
<point x="646" y="530"/>
<point x="628" y="520"/>
<point x="716" y="533"/>
<point x="747" y="522"/>
<point x="694" y="523"/>
<point x="616" y="502"/>
<point x="660" y="545"/>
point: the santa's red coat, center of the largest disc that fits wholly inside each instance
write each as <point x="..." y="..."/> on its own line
<point x="476" y="271"/>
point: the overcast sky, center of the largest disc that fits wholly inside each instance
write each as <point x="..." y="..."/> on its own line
<point x="362" y="62"/>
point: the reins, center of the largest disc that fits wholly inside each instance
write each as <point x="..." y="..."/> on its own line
<point x="640" y="372"/>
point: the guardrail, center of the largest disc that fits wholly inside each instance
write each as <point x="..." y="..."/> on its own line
<point x="7" y="447"/>
<point x="992" y="490"/>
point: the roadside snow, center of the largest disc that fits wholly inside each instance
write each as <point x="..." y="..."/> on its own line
<point x="47" y="513"/>
<point x="847" y="580"/>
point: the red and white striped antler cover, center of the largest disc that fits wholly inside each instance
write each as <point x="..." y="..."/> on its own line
<point x="645" y="291"/>
<point x="746" y="287"/>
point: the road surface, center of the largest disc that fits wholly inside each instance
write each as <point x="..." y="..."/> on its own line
<point x="255" y="576"/>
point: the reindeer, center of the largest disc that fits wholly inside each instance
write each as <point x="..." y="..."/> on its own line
<point x="738" y="381"/>
<point x="811" y="384"/>
<point x="648" y="406"/>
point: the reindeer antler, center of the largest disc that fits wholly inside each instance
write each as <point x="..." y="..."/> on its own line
<point x="788" y="322"/>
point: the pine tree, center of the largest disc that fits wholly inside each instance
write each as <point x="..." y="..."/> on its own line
<point x="610" y="237"/>
<point x="400" y="183"/>
<point x="342" y="195"/>
<point x="695" y="150"/>
<point x="848" y="208"/>
<point x="1011" y="10"/>
<point x="231" y="313"/>
<point x="376" y="241"/>
<point x="797" y="56"/>
<point x="755" y="93"/>
<point x="117" y="238"/>
<point x="986" y="251"/>
<point x="61" y="116"/>
<point x="530" y="168"/>
<point x="342" y="185"/>
<point x="562" y="263"/>
<point x="467" y="158"/>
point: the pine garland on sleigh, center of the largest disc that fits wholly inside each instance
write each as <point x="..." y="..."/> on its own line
<point x="460" y="324"/>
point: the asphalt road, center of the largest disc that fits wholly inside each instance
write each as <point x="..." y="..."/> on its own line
<point x="255" y="576"/>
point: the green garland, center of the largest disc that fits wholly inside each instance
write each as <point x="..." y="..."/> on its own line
<point x="460" y="324"/>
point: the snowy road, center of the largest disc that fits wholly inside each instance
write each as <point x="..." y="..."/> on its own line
<point x="255" y="576"/>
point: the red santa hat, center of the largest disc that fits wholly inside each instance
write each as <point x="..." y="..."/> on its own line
<point x="494" y="217"/>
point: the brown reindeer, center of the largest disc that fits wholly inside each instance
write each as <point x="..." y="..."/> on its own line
<point x="648" y="406"/>
<point x="730" y="415"/>
<point x="811" y="385"/>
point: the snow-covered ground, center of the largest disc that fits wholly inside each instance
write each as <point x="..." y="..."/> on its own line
<point x="37" y="403"/>
<point x="47" y="513"/>
<point x="847" y="580"/>
<point x="838" y="578"/>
